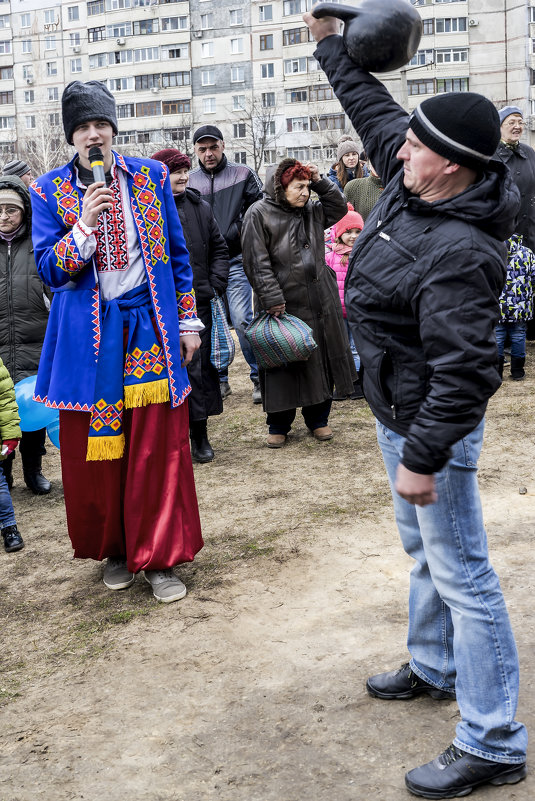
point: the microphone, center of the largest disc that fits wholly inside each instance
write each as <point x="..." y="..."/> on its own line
<point x="96" y="160"/>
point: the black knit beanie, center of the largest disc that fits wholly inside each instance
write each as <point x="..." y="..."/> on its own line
<point x="83" y="102"/>
<point x="464" y="127"/>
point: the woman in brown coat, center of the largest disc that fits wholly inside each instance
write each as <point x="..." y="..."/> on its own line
<point x="284" y="259"/>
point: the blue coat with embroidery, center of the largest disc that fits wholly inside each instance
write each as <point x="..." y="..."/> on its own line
<point x="516" y="300"/>
<point x="67" y="370"/>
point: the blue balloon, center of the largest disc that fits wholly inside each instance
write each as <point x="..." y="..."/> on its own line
<point x="33" y="415"/>
<point x="53" y="432"/>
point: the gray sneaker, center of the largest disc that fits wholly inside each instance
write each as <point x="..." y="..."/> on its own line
<point x="166" y="587"/>
<point x="116" y="575"/>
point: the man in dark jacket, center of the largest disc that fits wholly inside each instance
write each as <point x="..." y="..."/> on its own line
<point x="24" y="304"/>
<point x="230" y="188"/>
<point x="422" y="297"/>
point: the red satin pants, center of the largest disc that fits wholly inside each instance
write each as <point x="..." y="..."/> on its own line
<point x="142" y="507"/>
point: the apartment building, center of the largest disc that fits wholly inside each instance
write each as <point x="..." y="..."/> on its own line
<point x="246" y="66"/>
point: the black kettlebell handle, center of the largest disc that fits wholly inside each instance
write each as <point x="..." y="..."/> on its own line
<point x="344" y="13"/>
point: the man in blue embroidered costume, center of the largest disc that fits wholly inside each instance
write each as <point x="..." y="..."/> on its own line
<point x="421" y="294"/>
<point x="123" y="327"/>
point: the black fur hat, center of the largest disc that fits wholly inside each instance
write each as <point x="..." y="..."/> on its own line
<point x="82" y="102"/>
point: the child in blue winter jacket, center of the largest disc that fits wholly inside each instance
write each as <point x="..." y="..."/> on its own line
<point x="516" y="305"/>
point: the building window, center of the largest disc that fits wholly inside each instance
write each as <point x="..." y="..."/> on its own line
<point x="73" y="13"/>
<point x="327" y="122"/>
<point x="50" y="42"/>
<point x="207" y="21"/>
<point x="98" y="60"/>
<point x="452" y="85"/>
<point x="295" y="65"/>
<point x="146" y="81"/>
<point x="121" y="57"/>
<point x="236" y="46"/>
<point x="145" y="26"/>
<point x="178" y="134"/>
<point x="176" y="52"/>
<point x="152" y="108"/>
<point x="51" y="68"/>
<point x="120" y="84"/>
<point x="267" y="70"/>
<point x="7" y="122"/>
<point x="147" y="54"/>
<point x="7" y="97"/>
<point x="237" y="74"/>
<point x="208" y="105"/>
<point x="295" y="36"/>
<point x="268" y="99"/>
<point x="296" y="95"/>
<point x="239" y="130"/>
<point x="53" y="119"/>
<point x="299" y="153"/>
<point x="270" y="156"/>
<point x="176" y="79"/>
<point x="125" y="110"/>
<point x="455" y="55"/>
<point x="265" y="13"/>
<point x="424" y="86"/>
<point x="207" y="50"/>
<point x="321" y="92"/>
<point x="428" y="27"/>
<point x="26" y="46"/>
<point x="76" y="64"/>
<point x="5" y="46"/>
<point x="25" y="20"/>
<point x="422" y="57"/>
<point x="184" y="107"/>
<point x="53" y="94"/>
<point x="29" y="96"/>
<point x="174" y="23"/>
<point x="238" y="102"/>
<point x="294" y="124"/>
<point x="207" y="77"/>
<point x="266" y="41"/>
<point x="95" y="7"/>
<point x="172" y="107"/>
<point x="119" y="30"/>
<point x="29" y="121"/>
<point x="96" y="34"/>
<point x="291" y="7"/>
<point x="236" y="16"/>
<point x="5" y="73"/>
<point x="4" y="21"/>
<point x="270" y="128"/>
<point x="240" y="157"/>
<point x="450" y="25"/>
<point x="50" y="16"/>
<point x="74" y="39"/>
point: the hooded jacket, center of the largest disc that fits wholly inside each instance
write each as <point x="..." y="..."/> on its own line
<point x="284" y="260"/>
<point x="423" y="282"/>
<point x="24" y="300"/>
<point x="521" y="163"/>
<point x="230" y="189"/>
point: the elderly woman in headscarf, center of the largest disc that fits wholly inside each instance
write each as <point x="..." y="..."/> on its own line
<point x="209" y="261"/>
<point x="284" y="259"/>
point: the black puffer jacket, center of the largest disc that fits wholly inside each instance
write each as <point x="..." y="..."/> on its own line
<point x="24" y="300"/>
<point x="230" y="189"/>
<point x="208" y="256"/>
<point x="423" y="282"/>
<point x="521" y="164"/>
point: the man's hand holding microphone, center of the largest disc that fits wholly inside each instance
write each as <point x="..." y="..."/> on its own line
<point x="98" y="196"/>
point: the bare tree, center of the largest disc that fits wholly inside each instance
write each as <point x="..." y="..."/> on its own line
<point x="45" y="147"/>
<point x="261" y="133"/>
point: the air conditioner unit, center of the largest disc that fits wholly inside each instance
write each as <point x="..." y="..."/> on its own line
<point x="120" y="41"/>
<point x="155" y="89"/>
<point x="76" y="49"/>
<point x="197" y="34"/>
<point x="472" y="23"/>
<point x="29" y="81"/>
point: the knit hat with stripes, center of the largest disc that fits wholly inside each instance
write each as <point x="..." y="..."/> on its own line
<point x="464" y="127"/>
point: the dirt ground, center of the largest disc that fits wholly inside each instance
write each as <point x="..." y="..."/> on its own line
<point x="252" y="687"/>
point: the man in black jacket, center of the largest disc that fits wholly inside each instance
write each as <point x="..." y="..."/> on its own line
<point x="422" y="298"/>
<point x="230" y="189"/>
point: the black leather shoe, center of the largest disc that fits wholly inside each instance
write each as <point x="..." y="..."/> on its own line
<point x="201" y="451"/>
<point x="37" y="483"/>
<point x="456" y="773"/>
<point x="403" y="684"/>
<point x="12" y="539"/>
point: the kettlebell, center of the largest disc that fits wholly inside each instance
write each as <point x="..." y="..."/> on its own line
<point x="379" y="35"/>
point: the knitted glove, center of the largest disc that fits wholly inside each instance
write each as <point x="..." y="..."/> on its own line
<point x="11" y="444"/>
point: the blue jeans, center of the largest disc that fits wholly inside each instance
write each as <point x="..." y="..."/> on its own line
<point x="240" y="303"/>
<point x="354" y="351"/>
<point x="7" y="513"/>
<point x="459" y="632"/>
<point x="517" y="337"/>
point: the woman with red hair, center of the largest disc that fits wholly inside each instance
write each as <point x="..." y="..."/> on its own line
<point x="284" y="259"/>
